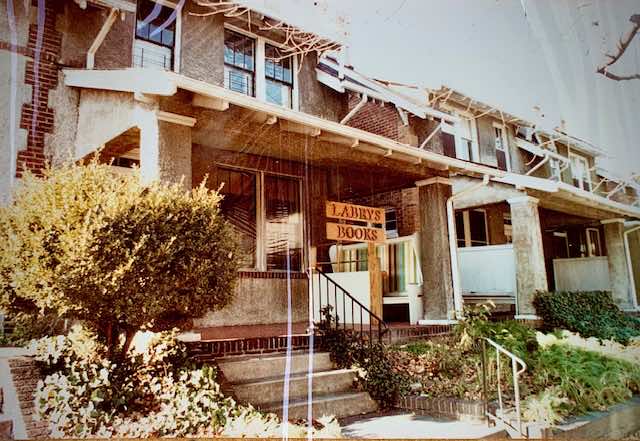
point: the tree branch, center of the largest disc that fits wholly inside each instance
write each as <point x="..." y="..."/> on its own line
<point x="623" y="44"/>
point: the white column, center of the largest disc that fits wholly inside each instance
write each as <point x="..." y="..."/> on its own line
<point x="531" y="273"/>
<point x="618" y="265"/>
<point x="147" y="122"/>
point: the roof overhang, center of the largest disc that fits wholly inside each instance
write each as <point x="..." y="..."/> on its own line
<point x="142" y="82"/>
<point x="329" y="73"/>
<point x="570" y="194"/>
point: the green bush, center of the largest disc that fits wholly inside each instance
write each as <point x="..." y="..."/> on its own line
<point x="378" y="374"/>
<point x="591" y="314"/>
<point x="120" y="256"/>
<point x="589" y="381"/>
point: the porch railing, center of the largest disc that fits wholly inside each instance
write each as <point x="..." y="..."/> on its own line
<point x="503" y="412"/>
<point x="350" y="314"/>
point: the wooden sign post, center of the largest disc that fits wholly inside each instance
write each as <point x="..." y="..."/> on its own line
<point x="360" y="233"/>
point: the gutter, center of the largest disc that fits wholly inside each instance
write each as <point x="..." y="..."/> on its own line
<point x="453" y="244"/>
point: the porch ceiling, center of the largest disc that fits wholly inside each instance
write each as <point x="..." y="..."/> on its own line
<point x="563" y="203"/>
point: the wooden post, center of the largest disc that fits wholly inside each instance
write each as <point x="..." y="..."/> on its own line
<point x="375" y="280"/>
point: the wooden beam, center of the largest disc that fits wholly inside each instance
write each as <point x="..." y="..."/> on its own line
<point x="370" y="148"/>
<point x="212" y="103"/>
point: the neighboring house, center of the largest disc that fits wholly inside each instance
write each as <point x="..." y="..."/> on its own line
<point x="185" y="95"/>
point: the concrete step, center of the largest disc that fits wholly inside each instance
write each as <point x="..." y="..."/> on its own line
<point x="340" y="405"/>
<point x="271" y="389"/>
<point x="246" y="368"/>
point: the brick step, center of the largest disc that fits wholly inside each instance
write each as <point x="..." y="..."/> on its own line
<point x="340" y="405"/>
<point x="268" y="390"/>
<point x="247" y="368"/>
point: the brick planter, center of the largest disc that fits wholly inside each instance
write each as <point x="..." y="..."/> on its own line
<point x="444" y="407"/>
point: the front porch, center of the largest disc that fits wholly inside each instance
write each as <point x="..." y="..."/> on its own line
<point x="511" y="244"/>
<point x="276" y="174"/>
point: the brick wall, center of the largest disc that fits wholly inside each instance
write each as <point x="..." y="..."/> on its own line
<point x="404" y="201"/>
<point x="42" y="74"/>
<point x="372" y="117"/>
<point x="25" y="374"/>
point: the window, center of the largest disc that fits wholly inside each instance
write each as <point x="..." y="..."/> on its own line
<point x="471" y="228"/>
<point x="391" y="222"/>
<point x="593" y="242"/>
<point x="508" y="227"/>
<point x="580" y="172"/>
<point x="266" y="212"/>
<point x="283" y="223"/>
<point x="278" y="72"/>
<point x="502" y="148"/>
<point x="239" y="62"/>
<point x="157" y="29"/>
<point x="556" y="171"/>
<point x="240" y="208"/>
<point x="465" y="139"/>
<point x="255" y="67"/>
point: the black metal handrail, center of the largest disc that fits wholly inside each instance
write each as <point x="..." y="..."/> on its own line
<point x="358" y="325"/>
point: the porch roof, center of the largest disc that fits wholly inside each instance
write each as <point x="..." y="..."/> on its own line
<point x="140" y="81"/>
<point x="558" y="195"/>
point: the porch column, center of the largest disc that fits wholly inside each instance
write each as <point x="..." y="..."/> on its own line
<point x="165" y="147"/>
<point x="435" y="261"/>
<point x="618" y="265"/>
<point x="531" y="273"/>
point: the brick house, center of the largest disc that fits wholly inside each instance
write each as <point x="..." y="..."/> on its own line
<point x="185" y="94"/>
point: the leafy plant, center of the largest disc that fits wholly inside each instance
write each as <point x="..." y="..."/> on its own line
<point x="587" y="379"/>
<point x="377" y="373"/>
<point x="88" y="244"/>
<point x="591" y="314"/>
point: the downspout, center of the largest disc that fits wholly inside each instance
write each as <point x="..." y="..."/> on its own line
<point x="355" y="110"/>
<point x="97" y="42"/>
<point x="634" y="299"/>
<point x="453" y="244"/>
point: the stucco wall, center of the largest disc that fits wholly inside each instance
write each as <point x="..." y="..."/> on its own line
<point x="202" y="51"/>
<point x="60" y="144"/>
<point x="261" y="301"/>
<point x="317" y="99"/>
<point x="79" y="28"/>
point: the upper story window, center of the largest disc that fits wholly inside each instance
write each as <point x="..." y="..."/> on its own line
<point x="278" y="72"/>
<point x="157" y="35"/>
<point x="255" y="67"/>
<point x="502" y="148"/>
<point x="580" y="171"/>
<point x="239" y="62"/>
<point x="466" y="139"/>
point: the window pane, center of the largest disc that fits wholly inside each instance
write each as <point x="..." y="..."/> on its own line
<point x="283" y="223"/>
<point x="277" y="67"/>
<point x="238" y="50"/>
<point x="460" y="228"/>
<point x="239" y="207"/>
<point x="278" y="93"/>
<point x="238" y="80"/>
<point x="156" y="22"/>
<point x="478" y="228"/>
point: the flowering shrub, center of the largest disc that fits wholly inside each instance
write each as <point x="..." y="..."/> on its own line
<point x="158" y="392"/>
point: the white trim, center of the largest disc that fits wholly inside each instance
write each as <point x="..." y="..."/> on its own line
<point x="505" y="142"/>
<point x="97" y="42"/>
<point x="523" y="200"/>
<point x="375" y="90"/>
<point x="585" y="161"/>
<point x="527" y="317"/>
<point x="613" y="221"/>
<point x="259" y="61"/>
<point x="437" y="322"/>
<point x="176" y="119"/>
<point x="599" y="250"/>
<point x="434" y="180"/>
<point x="177" y="41"/>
